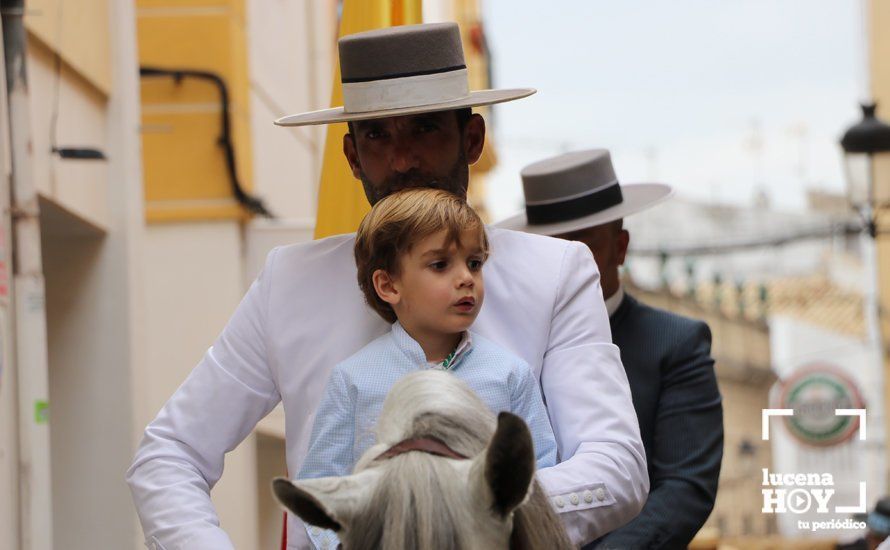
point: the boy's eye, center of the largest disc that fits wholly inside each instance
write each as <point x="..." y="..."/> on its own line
<point x="474" y="264"/>
<point x="439" y="265"/>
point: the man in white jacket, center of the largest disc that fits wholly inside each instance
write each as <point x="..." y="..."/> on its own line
<point x="408" y="104"/>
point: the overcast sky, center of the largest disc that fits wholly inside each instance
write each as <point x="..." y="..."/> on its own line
<point x="720" y="98"/>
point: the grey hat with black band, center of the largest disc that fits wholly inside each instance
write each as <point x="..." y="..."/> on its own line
<point x="578" y="190"/>
<point x="403" y="70"/>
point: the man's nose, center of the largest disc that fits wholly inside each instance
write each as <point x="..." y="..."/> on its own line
<point x="404" y="158"/>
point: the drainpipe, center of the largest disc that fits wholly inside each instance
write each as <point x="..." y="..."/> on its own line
<point x="28" y="297"/>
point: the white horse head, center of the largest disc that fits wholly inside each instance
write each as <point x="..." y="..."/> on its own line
<point x="472" y="489"/>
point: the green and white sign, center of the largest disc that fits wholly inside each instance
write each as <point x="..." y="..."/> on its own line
<point x="814" y="393"/>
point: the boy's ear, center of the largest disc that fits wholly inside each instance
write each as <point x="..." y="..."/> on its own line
<point x="385" y="287"/>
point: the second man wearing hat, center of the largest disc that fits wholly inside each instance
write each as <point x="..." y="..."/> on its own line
<point x="667" y="357"/>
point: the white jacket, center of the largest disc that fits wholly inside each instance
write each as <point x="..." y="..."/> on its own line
<point x="305" y="313"/>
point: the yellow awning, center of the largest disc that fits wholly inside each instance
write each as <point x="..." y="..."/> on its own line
<point x="341" y="200"/>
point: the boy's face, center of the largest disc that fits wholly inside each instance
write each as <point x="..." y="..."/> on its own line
<point x="439" y="289"/>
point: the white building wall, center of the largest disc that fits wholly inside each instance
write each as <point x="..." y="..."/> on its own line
<point x="92" y="239"/>
<point x="795" y="344"/>
<point x="9" y="444"/>
<point x="193" y="284"/>
<point x="82" y="121"/>
<point x="270" y="464"/>
<point x="9" y="459"/>
<point x="291" y="51"/>
<point x="435" y="11"/>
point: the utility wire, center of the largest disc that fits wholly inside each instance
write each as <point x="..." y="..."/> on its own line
<point x="57" y="77"/>
<point x="735" y="245"/>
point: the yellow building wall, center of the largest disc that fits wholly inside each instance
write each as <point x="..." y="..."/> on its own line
<point x="468" y="14"/>
<point x="879" y="73"/>
<point x="185" y="171"/>
<point x="879" y="54"/>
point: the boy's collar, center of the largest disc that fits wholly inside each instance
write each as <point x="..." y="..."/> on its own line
<point x="463" y="347"/>
<point x="411" y="348"/>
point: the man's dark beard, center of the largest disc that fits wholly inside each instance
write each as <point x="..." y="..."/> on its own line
<point x="455" y="181"/>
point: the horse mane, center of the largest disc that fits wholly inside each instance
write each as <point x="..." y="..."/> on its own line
<point x="536" y="525"/>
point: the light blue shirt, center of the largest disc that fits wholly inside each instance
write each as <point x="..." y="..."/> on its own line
<point x="354" y="395"/>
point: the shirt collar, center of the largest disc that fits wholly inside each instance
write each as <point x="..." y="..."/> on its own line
<point x="613" y="302"/>
<point x="462" y="349"/>
<point x="415" y="354"/>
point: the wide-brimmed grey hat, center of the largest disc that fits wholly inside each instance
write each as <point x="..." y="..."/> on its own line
<point x="403" y="70"/>
<point x="578" y="190"/>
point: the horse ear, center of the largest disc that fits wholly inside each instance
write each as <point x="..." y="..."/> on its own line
<point x="302" y="503"/>
<point x="509" y="464"/>
<point x="327" y="502"/>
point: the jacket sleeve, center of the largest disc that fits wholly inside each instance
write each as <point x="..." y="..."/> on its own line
<point x="528" y="405"/>
<point x="331" y="446"/>
<point x="686" y="453"/>
<point x="602" y="481"/>
<point x="181" y="455"/>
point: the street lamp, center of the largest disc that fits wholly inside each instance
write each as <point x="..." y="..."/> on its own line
<point x="866" y="147"/>
<point x="865" y="143"/>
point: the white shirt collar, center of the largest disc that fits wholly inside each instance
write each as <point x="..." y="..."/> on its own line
<point x="613" y="302"/>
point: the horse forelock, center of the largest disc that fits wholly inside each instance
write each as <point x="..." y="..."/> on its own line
<point x="419" y="503"/>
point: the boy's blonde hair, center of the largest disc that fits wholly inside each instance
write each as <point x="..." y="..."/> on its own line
<point x="397" y="223"/>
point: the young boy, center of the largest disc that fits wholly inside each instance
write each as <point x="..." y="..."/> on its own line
<point x="419" y="254"/>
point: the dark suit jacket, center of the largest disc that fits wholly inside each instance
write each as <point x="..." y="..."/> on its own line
<point x="671" y="373"/>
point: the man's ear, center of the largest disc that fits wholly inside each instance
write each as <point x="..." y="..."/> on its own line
<point x="351" y="154"/>
<point x="474" y="137"/>
<point x="622" y="241"/>
<point x="386" y="287"/>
